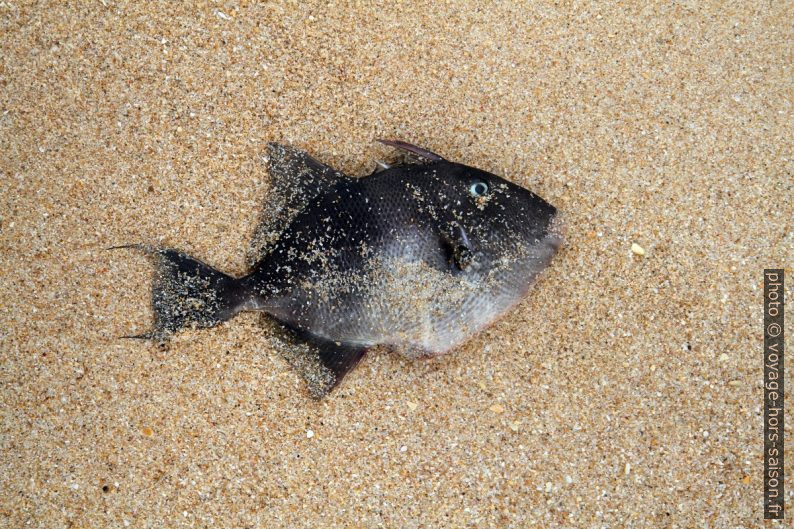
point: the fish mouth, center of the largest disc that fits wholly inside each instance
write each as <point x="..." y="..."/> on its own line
<point x="555" y="232"/>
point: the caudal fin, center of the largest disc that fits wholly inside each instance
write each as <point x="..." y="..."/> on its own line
<point x="187" y="292"/>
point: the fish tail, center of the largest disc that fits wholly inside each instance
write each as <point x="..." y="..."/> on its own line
<point x="188" y="293"/>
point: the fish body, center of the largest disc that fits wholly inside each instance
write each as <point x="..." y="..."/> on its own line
<point x="417" y="257"/>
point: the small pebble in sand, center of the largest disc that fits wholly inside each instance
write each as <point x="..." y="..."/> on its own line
<point x="627" y="470"/>
<point x="411" y="405"/>
<point x="497" y="408"/>
<point x="568" y="480"/>
<point x="403" y="448"/>
<point x="309" y="434"/>
<point x="724" y="357"/>
<point x="636" y="249"/>
<point x="746" y="480"/>
<point x="515" y="425"/>
<point x="148" y="432"/>
<point x="548" y="486"/>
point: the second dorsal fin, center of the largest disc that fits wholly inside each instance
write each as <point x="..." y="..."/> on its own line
<point x="296" y="180"/>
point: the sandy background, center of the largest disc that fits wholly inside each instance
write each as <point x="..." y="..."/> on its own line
<point x="625" y="392"/>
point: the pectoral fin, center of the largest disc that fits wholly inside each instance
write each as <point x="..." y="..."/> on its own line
<point x="459" y="248"/>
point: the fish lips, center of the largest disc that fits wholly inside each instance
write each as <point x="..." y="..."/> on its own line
<point x="556" y="232"/>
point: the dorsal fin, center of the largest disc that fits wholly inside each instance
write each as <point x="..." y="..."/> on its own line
<point x="413" y="149"/>
<point x="295" y="180"/>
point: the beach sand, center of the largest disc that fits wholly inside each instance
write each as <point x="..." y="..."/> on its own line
<point x="626" y="391"/>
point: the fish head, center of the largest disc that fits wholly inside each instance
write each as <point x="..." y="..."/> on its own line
<point x="508" y="232"/>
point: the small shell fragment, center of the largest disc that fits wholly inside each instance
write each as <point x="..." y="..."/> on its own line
<point x="636" y="249"/>
<point x="497" y="408"/>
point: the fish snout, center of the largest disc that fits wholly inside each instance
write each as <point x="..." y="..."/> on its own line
<point x="555" y="232"/>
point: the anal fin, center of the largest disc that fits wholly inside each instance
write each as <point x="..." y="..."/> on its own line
<point x="321" y="363"/>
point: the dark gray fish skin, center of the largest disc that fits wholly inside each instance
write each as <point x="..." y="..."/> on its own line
<point x="417" y="257"/>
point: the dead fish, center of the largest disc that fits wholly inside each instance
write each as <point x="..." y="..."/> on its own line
<point x="417" y="257"/>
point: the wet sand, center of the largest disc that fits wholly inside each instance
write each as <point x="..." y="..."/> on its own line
<point x="624" y="392"/>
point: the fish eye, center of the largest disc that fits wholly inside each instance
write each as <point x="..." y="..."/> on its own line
<point x="478" y="188"/>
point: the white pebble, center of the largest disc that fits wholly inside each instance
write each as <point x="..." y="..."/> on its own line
<point x="403" y="448"/>
<point x="637" y="249"/>
<point x="309" y="434"/>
